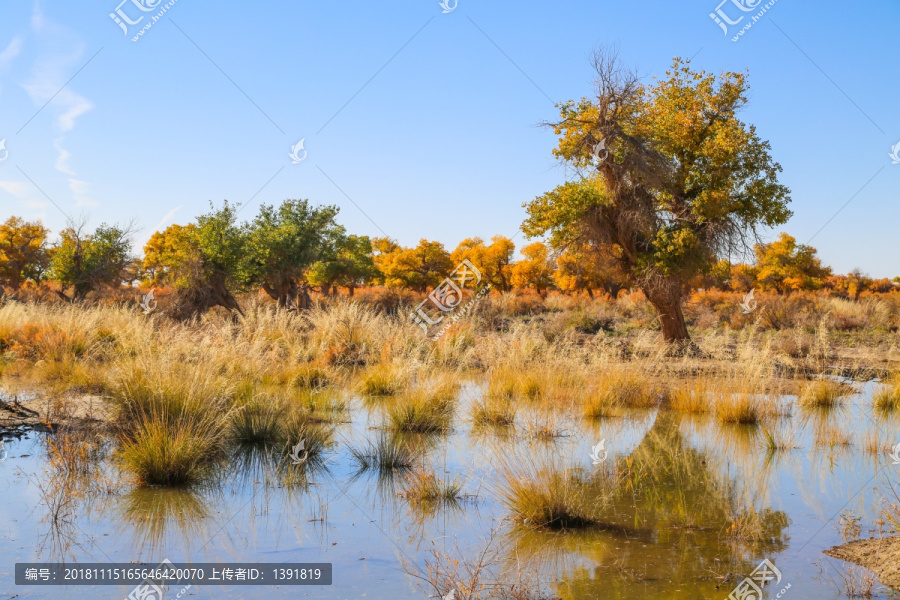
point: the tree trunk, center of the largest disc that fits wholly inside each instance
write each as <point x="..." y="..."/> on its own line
<point x="666" y="297"/>
<point x="282" y="293"/>
<point x="590" y="293"/>
<point x="303" y="299"/>
<point x="612" y="288"/>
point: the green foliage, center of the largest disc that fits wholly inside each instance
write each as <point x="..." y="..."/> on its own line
<point x="88" y="262"/>
<point x="351" y="264"/>
<point x="684" y="179"/>
<point x="284" y="243"/>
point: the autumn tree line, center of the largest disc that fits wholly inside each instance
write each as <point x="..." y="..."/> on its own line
<point x="294" y="248"/>
<point x="665" y="186"/>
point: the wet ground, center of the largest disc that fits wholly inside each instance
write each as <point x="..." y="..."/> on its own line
<point x="667" y="530"/>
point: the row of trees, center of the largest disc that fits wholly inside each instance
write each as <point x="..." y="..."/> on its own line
<point x="667" y="182"/>
<point x="289" y="249"/>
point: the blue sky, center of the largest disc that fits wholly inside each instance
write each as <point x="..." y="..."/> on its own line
<point x="419" y="123"/>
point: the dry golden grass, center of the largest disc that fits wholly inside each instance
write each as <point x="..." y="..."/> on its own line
<point x="824" y="393"/>
<point x="424" y="487"/>
<point x="830" y="436"/>
<point x="494" y="411"/>
<point x="383" y="379"/>
<point x="245" y="371"/>
<point x="541" y="493"/>
<point x="738" y="408"/>
<point x="426" y="407"/>
<point x="691" y="398"/>
<point x="887" y="396"/>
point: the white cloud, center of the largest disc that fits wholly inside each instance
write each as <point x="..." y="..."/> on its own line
<point x="19" y="189"/>
<point x="80" y="192"/>
<point x="62" y="161"/>
<point x="166" y="218"/>
<point x="60" y="56"/>
<point x="11" y="52"/>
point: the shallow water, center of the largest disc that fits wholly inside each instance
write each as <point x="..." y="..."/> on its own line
<point x="665" y="535"/>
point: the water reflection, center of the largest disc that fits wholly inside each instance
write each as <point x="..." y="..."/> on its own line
<point x="676" y="524"/>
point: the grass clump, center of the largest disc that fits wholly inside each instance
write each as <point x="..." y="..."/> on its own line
<point x="540" y="494"/>
<point x="259" y="421"/>
<point x="503" y="384"/>
<point x="383" y="379"/>
<point x="693" y="399"/>
<point x="823" y="393"/>
<point x="619" y="391"/>
<point x="418" y="414"/>
<point x="427" y="408"/>
<point x="499" y="412"/>
<point x="887" y="396"/>
<point x="161" y="452"/>
<point x="738" y="409"/>
<point x="424" y="487"/>
<point x="311" y="377"/>
<point x="386" y="456"/>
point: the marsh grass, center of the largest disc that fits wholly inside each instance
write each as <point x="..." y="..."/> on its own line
<point x="692" y="398"/>
<point x="494" y="411"/>
<point x="503" y="384"/>
<point x="830" y="436"/>
<point x="383" y="379"/>
<point x="886" y="397"/>
<point x="160" y="451"/>
<point x="824" y="393"/>
<point x="385" y="457"/>
<point x="258" y="421"/>
<point x="417" y="414"/>
<point x="424" y="487"/>
<point x="856" y="581"/>
<point x="619" y="390"/>
<point x="323" y="406"/>
<point x="311" y="377"/>
<point x="315" y="437"/>
<point x="742" y="408"/>
<point x="541" y="493"/>
<point x="426" y="407"/>
<point x="775" y="440"/>
<point x="544" y="425"/>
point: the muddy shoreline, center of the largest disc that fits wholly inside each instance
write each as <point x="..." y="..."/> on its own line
<point x="879" y="555"/>
<point x="42" y="414"/>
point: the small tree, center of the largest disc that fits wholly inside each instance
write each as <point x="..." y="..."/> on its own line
<point x="670" y="179"/>
<point x="283" y="244"/>
<point x="494" y="261"/>
<point x="786" y="266"/>
<point x="350" y="266"/>
<point x="167" y="255"/>
<point x="204" y="262"/>
<point x="87" y="262"/>
<point x="536" y="270"/>
<point x="414" y="268"/>
<point x="23" y="251"/>
<point x="582" y="268"/>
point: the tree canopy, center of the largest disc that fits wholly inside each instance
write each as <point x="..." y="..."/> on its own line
<point x="669" y="179"/>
